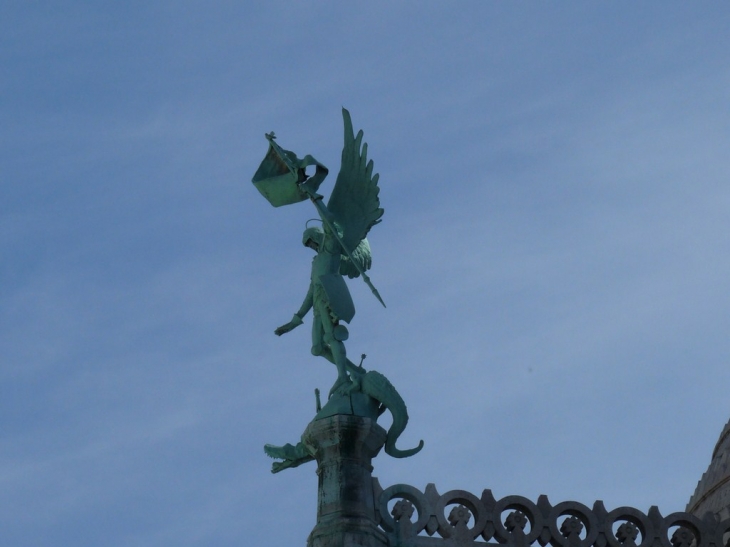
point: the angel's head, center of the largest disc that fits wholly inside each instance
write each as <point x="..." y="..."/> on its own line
<point x="313" y="237"/>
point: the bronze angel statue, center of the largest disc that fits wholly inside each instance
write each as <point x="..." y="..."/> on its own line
<point x="342" y="250"/>
<point x="341" y="244"/>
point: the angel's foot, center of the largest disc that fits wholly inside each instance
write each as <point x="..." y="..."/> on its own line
<point x="341" y="387"/>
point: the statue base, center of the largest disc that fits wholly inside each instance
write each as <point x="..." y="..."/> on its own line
<point x="344" y="446"/>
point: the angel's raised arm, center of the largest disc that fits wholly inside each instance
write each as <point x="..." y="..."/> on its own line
<point x="310" y="185"/>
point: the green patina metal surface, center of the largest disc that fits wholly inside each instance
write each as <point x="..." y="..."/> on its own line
<point x="280" y="174"/>
<point x="342" y="249"/>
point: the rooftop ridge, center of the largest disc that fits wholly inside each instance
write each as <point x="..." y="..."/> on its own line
<point x="711" y="493"/>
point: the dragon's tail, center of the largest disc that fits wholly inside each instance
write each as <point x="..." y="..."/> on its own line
<point x="400" y="420"/>
<point x="379" y="388"/>
<point x="391" y="450"/>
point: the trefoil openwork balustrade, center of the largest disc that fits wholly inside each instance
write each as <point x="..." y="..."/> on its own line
<point x="412" y="518"/>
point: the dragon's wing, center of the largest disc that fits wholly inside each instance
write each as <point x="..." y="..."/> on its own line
<point x="354" y="201"/>
<point x="362" y="255"/>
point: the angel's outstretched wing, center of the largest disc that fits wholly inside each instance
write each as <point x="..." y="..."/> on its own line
<point x="354" y="201"/>
<point x="362" y="255"/>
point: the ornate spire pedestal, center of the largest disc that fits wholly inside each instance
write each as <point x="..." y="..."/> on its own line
<point x="344" y="436"/>
<point x="344" y="446"/>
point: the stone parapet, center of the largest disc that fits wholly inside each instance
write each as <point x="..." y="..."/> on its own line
<point x="411" y="518"/>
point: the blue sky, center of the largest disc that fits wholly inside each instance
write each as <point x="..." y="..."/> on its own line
<point x="555" y="254"/>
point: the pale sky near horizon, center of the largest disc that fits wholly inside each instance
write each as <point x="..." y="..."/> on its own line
<point x="554" y="254"/>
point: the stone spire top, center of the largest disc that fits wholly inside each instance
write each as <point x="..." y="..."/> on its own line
<point x="713" y="490"/>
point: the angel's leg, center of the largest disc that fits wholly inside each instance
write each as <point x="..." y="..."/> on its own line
<point x="318" y="344"/>
<point x="337" y="354"/>
<point x="327" y="354"/>
<point x="326" y="345"/>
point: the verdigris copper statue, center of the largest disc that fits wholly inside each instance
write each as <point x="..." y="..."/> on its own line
<point x="342" y="249"/>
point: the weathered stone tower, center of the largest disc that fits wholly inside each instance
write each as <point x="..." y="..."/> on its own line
<point x="713" y="490"/>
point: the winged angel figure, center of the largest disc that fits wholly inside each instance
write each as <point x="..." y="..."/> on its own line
<point x="341" y="244"/>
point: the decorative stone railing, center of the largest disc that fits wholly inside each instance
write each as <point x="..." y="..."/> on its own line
<point x="411" y="518"/>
